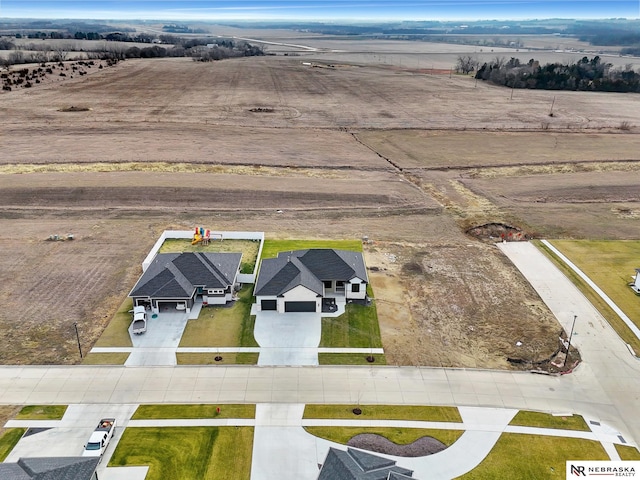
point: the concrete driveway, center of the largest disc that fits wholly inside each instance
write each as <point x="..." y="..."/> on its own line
<point x="68" y="436"/>
<point x="157" y="346"/>
<point x="288" y="338"/>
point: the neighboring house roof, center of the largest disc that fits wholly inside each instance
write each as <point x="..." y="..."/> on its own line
<point x="358" y="465"/>
<point x="308" y="268"/>
<point x="176" y="275"/>
<point x="50" y="468"/>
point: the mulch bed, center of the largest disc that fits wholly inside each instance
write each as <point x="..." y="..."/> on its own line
<point x="377" y="443"/>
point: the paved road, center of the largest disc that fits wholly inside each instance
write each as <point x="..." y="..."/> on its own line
<point x="608" y="366"/>
<point x="604" y="388"/>
<point x="327" y="384"/>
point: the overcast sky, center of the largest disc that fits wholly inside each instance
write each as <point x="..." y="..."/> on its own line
<point x="321" y="10"/>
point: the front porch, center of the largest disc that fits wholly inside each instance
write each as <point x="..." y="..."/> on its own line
<point x="333" y="305"/>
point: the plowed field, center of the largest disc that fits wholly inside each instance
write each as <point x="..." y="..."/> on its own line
<point x="409" y="160"/>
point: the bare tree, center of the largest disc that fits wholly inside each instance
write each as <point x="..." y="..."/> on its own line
<point x="499" y="62"/>
<point x="466" y="64"/>
<point x="60" y="54"/>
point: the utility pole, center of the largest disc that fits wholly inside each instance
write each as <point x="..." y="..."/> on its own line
<point x="569" y="343"/>
<point x="75" y="325"/>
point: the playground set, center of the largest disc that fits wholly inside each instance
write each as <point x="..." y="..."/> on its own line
<point x="203" y="236"/>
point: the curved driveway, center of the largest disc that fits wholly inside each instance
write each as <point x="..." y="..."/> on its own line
<point x="605" y="387"/>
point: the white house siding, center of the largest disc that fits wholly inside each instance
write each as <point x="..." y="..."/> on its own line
<point x="361" y="295"/>
<point x="299" y="294"/>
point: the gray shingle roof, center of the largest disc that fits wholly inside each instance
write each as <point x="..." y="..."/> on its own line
<point x="358" y="465"/>
<point x="176" y="275"/>
<point x="308" y="268"/>
<point x="50" y="468"/>
<point x="398" y="476"/>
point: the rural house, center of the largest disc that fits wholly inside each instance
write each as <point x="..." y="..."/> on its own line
<point x="358" y="465"/>
<point x="311" y="280"/>
<point x="177" y="280"/>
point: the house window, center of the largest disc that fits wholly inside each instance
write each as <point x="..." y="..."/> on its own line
<point x="327" y="283"/>
<point x="215" y="291"/>
<point x="355" y="287"/>
<point x="339" y="286"/>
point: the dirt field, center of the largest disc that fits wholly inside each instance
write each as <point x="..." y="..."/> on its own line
<point x="172" y="143"/>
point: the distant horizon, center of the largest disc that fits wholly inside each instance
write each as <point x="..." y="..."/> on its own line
<point x="320" y="10"/>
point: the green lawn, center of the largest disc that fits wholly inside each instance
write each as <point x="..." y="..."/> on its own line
<point x="219" y="326"/>
<point x="272" y="247"/>
<point x="546" y="420"/>
<point x="164" y="411"/>
<point x="117" y="332"/>
<point x="239" y="358"/>
<point x="398" y="435"/>
<point x="356" y="328"/>
<point x="610" y="265"/>
<point x="384" y="412"/>
<point x="42" y="412"/>
<point x="248" y="248"/>
<point x="350" y="359"/>
<point x="187" y="453"/>
<point x="628" y="452"/>
<point x="112" y="358"/>
<point x="534" y="457"/>
<point x="8" y="440"/>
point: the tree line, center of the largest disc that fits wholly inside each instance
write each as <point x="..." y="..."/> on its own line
<point x="200" y="49"/>
<point x="583" y="75"/>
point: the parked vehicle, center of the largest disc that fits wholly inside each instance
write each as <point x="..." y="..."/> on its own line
<point x="99" y="439"/>
<point x="139" y="320"/>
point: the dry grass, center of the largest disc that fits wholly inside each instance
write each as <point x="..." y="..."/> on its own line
<point x="112" y="358"/>
<point x="455" y="149"/>
<point x="240" y="358"/>
<point x="553" y="169"/>
<point x="165" y="167"/>
<point x="116" y="334"/>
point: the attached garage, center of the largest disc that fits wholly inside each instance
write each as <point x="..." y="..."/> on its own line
<point x="269" y="305"/>
<point x="299" y="306"/>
